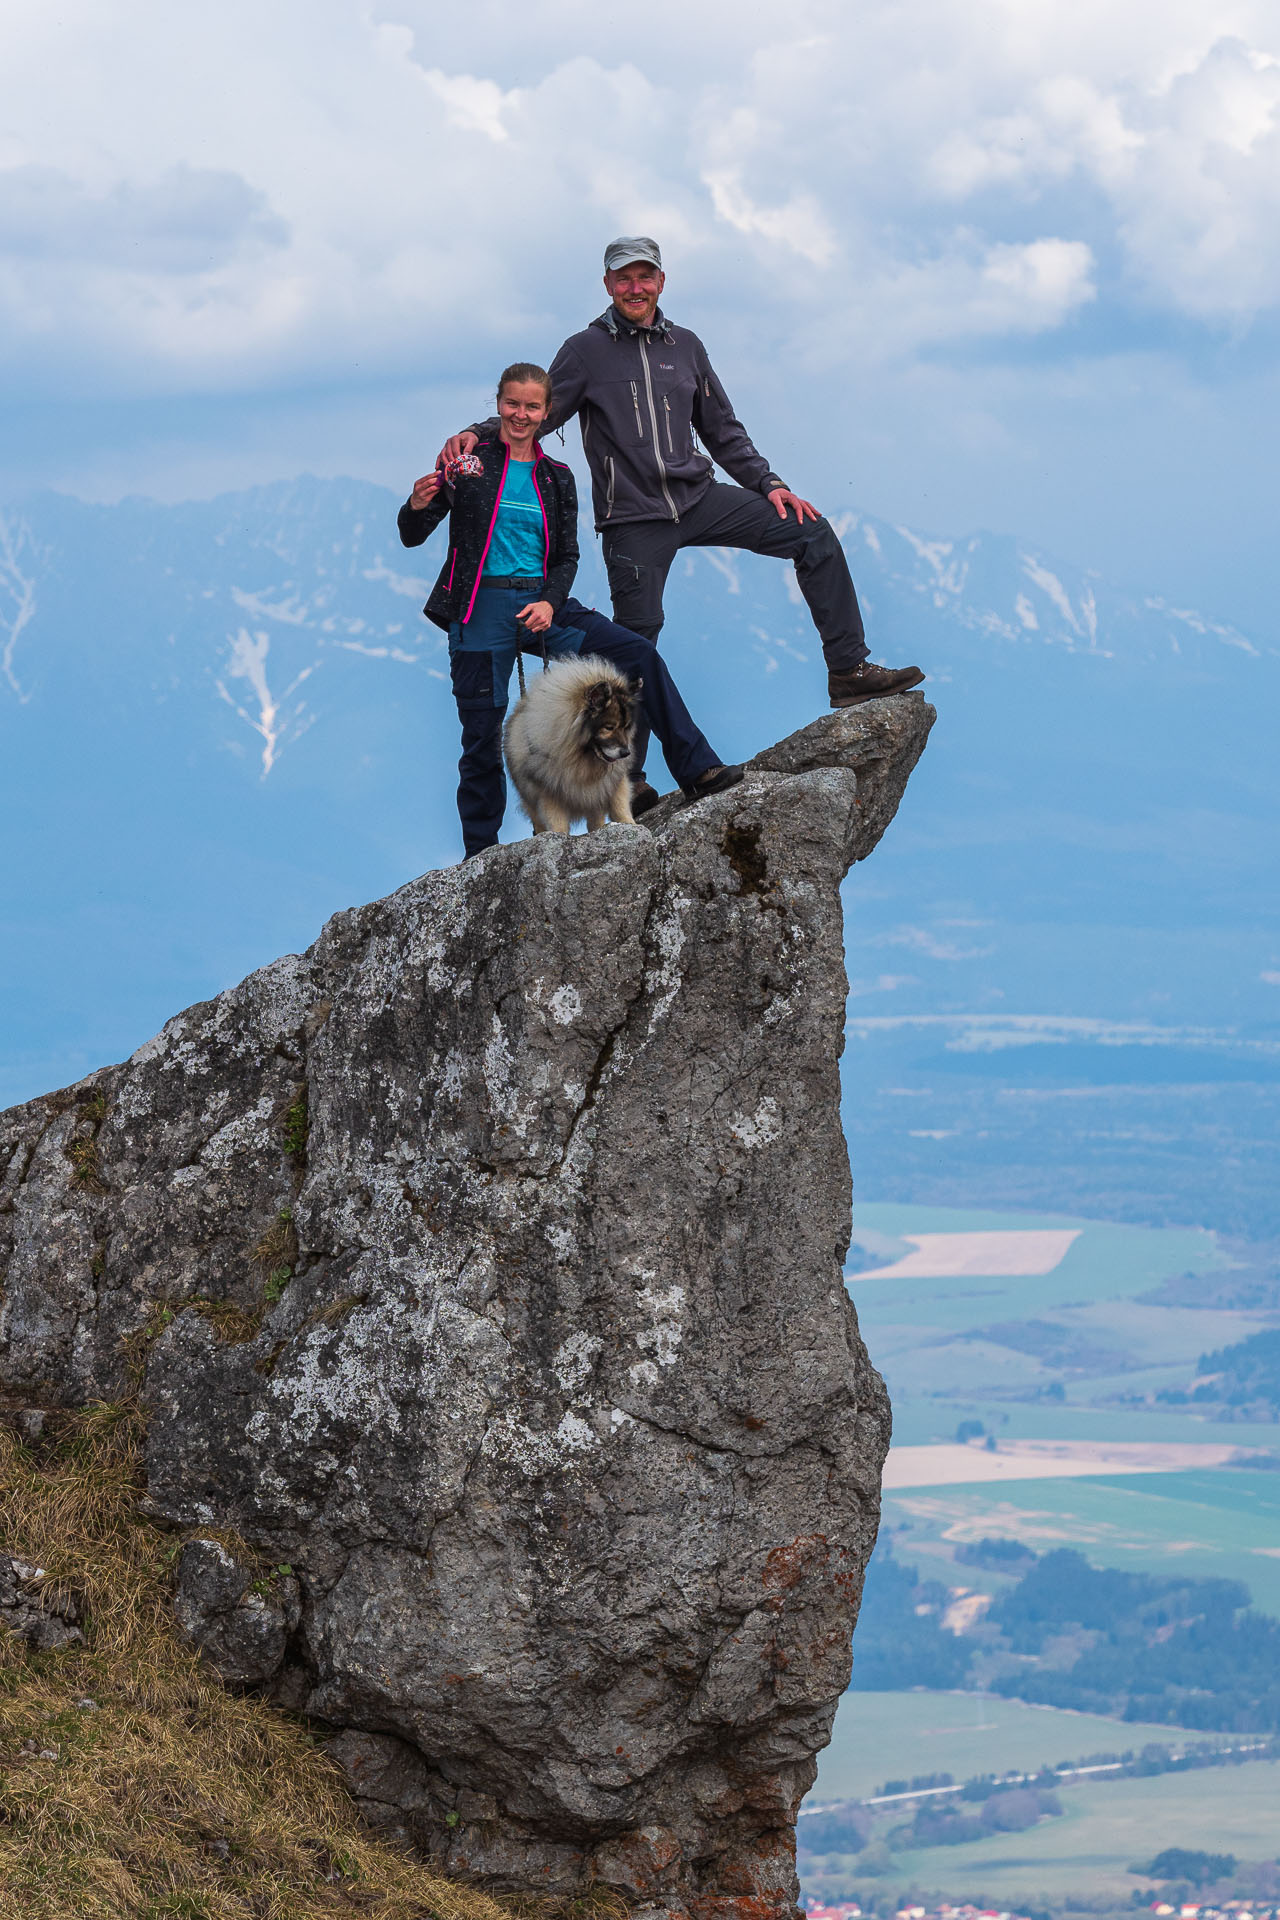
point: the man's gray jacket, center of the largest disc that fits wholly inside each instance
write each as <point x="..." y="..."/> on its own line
<point x="642" y="393"/>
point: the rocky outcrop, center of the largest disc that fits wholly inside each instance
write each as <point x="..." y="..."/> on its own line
<point x="480" y="1272"/>
<point x="40" y="1613"/>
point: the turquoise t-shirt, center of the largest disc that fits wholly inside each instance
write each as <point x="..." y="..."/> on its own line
<point x="518" y="543"/>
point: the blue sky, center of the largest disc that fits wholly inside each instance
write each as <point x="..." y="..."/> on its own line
<point x="1005" y="264"/>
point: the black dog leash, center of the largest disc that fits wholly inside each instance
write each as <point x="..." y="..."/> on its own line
<point x="542" y="649"/>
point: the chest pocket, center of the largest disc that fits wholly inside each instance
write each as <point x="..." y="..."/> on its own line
<point x="623" y="408"/>
<point x="674" y="396"/>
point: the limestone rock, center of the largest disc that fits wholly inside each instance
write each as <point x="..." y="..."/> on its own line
<point x="392" y="1783"/>
<point x="240" y="1619"/>
<point x="44" y="1617"/>
<point x="483" y="1264"/>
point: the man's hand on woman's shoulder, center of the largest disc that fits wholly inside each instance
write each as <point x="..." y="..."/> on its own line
<point x="460" y="443"/>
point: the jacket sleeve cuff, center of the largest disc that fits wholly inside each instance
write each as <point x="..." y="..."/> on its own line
<point x="559" y="585"/>
<point x="771" y="481"/>
<point x="409" y="522"/>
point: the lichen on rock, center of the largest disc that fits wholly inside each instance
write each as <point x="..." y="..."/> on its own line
<point x="561" y="1424"/>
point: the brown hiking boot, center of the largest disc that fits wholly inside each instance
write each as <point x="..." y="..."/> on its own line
<point x="853" y="685"/>
<point x="643" y="796"/>
<point x="714" y="780"/>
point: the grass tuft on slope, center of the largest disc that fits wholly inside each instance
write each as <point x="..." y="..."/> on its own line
<point x="133" y="1786"/>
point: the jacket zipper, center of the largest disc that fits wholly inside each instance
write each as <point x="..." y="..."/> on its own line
<point x="666" y="408"/>
<point x="609" y="496"/>
<point x="635" y="401"/>
<point x="488" y="539"/>
<point x="546" y="524"/>
<point x="448" y="585"/>
<point x="653" y="421"/>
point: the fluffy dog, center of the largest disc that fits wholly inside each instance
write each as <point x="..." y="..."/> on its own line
<point x="568" y="744"/>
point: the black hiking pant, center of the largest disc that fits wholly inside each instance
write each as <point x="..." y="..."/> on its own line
<point x="639" y="554"/>
<point x="481" y="656"/>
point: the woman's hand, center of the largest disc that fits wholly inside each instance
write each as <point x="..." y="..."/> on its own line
<point x="536" y="617"/>
<point x="425" y="490"/>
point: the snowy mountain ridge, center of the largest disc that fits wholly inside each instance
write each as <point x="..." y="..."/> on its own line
<point x="253" y="593"/>
<point x="971" y="578"/>
<point x="223" y="721"/>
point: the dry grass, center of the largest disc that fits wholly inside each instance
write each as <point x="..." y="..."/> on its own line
<point x="82" y="1148"/>
<point x="86" y="1169"/>
<point x="277" y="1254"/>
<point x="278" y="1246"/>
<point x="136" y="1346"/>
<point x="132" y="1786"/>
<point x="231" y="1323"/>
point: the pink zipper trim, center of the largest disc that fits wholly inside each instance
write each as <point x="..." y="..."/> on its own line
<point x="546" y="524"/>
<point x="488" y="539"/>
<point x="452" y="565"/>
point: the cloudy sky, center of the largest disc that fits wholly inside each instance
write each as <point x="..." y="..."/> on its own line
<point x="1005" y="264"/>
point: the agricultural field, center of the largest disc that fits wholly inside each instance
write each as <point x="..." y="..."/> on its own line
<point x="920" y="1421"/>
<point x="1073" y="1355"/>
<point x="887" y="1736"/>
<point x="1087" y="1327"/>
<point x="1106" y="1827"/>
<point x="1103" y="1261"/>
<point x="1025" y="1409"/>
<point x="1087" y="1330"/>
<point x="1221" y="1523"/>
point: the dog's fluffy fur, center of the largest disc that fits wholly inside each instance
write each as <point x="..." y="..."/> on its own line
<point x="569" y="742"/>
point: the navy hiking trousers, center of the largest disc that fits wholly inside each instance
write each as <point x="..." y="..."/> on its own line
<point x="481" y="657"/>
<point x="638" y="556"/>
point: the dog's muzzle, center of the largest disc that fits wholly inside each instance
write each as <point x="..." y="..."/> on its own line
<point x="610" y="754"/>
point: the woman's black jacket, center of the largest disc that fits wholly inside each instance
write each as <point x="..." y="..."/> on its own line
<point x="472" y="507"/>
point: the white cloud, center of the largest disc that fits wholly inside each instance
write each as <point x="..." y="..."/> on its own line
<point x="1046" y="278"/>
<point x="186" y="220"/>
<point x="934" y="249"/>
<point x="475" y="106"/>
<point x="374" y="188"/>
<point x="799" y="225"/>
<point x="922" y="940"/>
<point x="965" y="292"/>
<point x="1199" y="203"/>
<point x="883" y="983"/>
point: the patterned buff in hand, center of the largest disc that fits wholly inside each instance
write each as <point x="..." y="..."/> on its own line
<point x="463" y="466"/>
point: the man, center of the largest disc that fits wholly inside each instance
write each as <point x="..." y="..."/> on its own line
<point x="642" y="388"/>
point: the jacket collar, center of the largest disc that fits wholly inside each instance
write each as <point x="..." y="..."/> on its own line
<point x="617" y="324"/>
<point x="500" y="446"/>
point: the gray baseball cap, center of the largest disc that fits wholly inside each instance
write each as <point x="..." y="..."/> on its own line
<point x="629" y="247"/>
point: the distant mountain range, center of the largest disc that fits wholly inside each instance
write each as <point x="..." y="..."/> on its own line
<point x="223" y="720"/>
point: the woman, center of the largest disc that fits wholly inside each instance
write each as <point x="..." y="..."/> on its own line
<point x="504" y="587"/>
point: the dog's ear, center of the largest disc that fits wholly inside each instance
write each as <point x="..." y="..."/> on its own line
<point x="598" y="696"/>
<point x="637" y="685"/>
